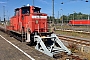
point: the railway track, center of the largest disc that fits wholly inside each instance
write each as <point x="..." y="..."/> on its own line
<point x="72" y="30"/>
<point x="66" y="38"/>
<point x="79" y="41"/>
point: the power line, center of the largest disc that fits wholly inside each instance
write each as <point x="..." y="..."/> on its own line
<point x="73" y="0"/>
<point x="33" y="2"/>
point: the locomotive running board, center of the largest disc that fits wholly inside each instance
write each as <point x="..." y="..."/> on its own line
<point x="50" y="45"/>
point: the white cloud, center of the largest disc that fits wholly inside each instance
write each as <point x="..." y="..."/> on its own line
<point x="44" y="1"/>
<point x="2" y="2"/>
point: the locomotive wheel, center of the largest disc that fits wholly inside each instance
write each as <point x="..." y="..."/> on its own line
<point x="11" y="34"/>
<point x="30" y="43"/>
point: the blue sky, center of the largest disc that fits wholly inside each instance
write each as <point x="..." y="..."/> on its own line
<point x="69" y="6"/>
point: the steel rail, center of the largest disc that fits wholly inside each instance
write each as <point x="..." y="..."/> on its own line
<point x="75" y="40"/>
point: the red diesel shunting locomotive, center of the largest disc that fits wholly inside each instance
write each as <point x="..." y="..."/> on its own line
<point x="28" y="19"/>
<point x="30" y="24"/>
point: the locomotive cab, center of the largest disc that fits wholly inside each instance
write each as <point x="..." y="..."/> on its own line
<point x="28" y="20"/>
<point x="33" y="19"/>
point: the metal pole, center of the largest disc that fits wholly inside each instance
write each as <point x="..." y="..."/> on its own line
<point x="73" y="16"/>
<point x="67" y="18"/>
<point x="73" y="21"/>
<point x="53" y="10"/>
<point x="4" y="17"/>
<point x="88" y="24"/>
<point x="4" y="12"/>
<point x="62" y="16"/>
<point x="33" y="2"/>
<point x="7" y="16"/>
<point x="58" y="18"/>
<point x="52" y="26"/>
<point x="62" y="20"/>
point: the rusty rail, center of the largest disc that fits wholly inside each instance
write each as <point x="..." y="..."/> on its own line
<point x="75" y="40"/>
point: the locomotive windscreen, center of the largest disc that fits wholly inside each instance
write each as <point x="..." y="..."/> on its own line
<point x="36" y="10"/>
<point x="25" y="10"/>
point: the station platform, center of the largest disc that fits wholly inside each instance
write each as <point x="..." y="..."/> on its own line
<point x="8" y="52"/>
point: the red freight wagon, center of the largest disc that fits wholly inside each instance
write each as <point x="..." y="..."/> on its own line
<point x="79" y="22"/>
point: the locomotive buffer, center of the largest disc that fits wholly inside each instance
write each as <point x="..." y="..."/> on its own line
<point x="50" y="45"/>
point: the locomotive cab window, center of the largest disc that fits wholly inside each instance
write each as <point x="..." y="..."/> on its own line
<point x="16" y="12"/>
<point x="25" y="10"/>
<point x="36" y="10"/>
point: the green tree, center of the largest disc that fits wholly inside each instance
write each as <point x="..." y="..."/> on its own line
<point x="75" y="16"/>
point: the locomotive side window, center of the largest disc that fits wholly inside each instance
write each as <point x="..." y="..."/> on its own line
<point x="36" y="10"/>
<point x="25" y="10"/>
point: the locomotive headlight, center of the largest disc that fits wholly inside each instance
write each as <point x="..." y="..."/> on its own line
<point x="36" y="21"/>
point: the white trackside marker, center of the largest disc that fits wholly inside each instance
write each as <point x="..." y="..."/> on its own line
<point x="18" y="48"/>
